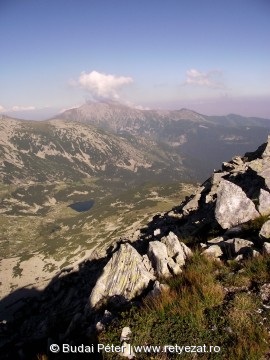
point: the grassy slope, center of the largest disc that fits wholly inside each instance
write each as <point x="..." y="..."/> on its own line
<point x="198" y="310"/>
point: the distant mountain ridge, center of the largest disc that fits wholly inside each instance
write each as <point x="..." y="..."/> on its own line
<point x="118" y="117"/>
<point x="114" y="140"/>
<point x="202" y="141"/>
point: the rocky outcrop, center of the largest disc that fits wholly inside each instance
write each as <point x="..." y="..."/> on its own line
<point x="123" y="278"/>
<point x="128" y="274"/>
<point x="228" y="214"/>
<point x="229" y="199"/>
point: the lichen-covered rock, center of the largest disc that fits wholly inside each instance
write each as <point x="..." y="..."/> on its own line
<point x="213" y="251"/>
<point x="125" y="276"/>
<point x="233" y="207"/>
<point x="176" y="249"/>
<point x="157" y="253"/>
<point x="265" y="230"/>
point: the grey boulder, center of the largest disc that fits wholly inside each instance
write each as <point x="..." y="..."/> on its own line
<point x="233" y="207"/>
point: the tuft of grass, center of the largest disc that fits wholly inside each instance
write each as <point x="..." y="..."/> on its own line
<point x="258" y="269"/>
<point x="251" y="271"/>
<point x="250" y="336"/>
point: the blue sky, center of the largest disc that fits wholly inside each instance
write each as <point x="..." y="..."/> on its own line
<point x="211" y="56"/>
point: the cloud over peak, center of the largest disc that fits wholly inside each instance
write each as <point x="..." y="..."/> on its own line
<point x="103" y="86"/>
<point x="211" y="79"/>
<point x="22" y="108"/>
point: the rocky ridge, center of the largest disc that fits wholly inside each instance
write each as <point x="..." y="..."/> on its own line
<point x="226" y="204"/>
<point x="119" y="117"/>
<point x="226" y="219"/>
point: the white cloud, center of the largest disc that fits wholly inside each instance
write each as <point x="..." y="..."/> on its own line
<point x="22" y="108"/>
<point x="2" y="109"/>
<point x="103" y="86"/>
<point x="210" y="79"/>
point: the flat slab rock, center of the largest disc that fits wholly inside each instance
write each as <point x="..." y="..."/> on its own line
<point x="125" y="276"/>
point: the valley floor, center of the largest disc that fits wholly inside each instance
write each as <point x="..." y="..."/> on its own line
<point x="41" y="235"/>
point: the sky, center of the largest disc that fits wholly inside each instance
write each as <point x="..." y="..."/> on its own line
<point x="211" y="56"/>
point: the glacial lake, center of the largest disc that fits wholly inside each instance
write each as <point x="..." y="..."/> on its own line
<point x="81" y="206"/>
